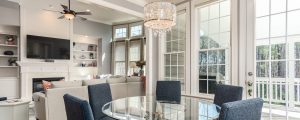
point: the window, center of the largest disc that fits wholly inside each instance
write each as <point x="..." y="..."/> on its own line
<point x="214" y="45"/>
<point x="277" y="56"/>
<point x="174" y="53"/>
<point x="134" y="54"/>
<point x="127" y="47"/>
<point x="120" y="62"/>
<point x="120" y="32"/>
<point x="136" y="31"/>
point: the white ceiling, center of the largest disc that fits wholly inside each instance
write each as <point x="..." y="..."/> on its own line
<point x="99" y="13"/>
<point x="143" y="2"/>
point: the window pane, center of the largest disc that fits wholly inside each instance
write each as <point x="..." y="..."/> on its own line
<point x="225" y="24"/>
<point x="262" y="52"/>
<point x="262" y="7"/>
<point x="167" y="59"/>
<point x="278" y="25"/>
<point x="221" y="57"/>
<point x="204" y="14"/>
<point x="120" y="32"/>
<point x="214" y="11"/>
<point x="212" y="86"/>
<point x="278" y="6"/>
<point x="212" y="57"/>
<point x="204" y="28"/>
<point x="293" y="22"/>
<point x="278" y="51"/>
<point x="202" y="72"/>
<point x="225" y="8"/>
<point x="203" y="58"/>
<point x="278" y="69"/>
<point x="293" y="4"/>
<point x="262" y="27"/>
<point x="203" y="86"/>
<point x="120" y="51"/>
<point x="214" y="41"/>
<point x="136" y="31"/>
<point x="262" y="69"/>
<point x="297" y="69"/>
<point x="134" y="54"/>
<point x="214" y="26"/>
<point x="297" y="50"/>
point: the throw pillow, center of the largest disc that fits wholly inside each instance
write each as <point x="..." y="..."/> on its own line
<point x="46" y="85"/>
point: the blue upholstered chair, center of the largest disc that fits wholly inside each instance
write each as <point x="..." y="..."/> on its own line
<point x="227" y="93"/>
<point x="99" y="95"/>
<point x="77" y="109"/>
<point x="242" y="110"/>
<point x="168" y="91"/>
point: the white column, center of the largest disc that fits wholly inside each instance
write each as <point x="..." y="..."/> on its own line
<point x="152" y="59"/>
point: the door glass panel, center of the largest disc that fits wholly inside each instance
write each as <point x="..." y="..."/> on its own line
<point x="214" y="46"/>
<point x="278" y="58"/>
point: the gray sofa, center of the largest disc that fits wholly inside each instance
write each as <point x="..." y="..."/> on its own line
<point x="50" y="106"/>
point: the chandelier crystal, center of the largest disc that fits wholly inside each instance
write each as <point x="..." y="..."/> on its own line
<point x="160" y="15"/>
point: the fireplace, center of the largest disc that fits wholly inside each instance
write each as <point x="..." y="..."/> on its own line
<point x="37" y="85"/>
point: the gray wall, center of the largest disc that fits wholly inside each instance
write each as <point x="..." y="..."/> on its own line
<point x="100" y="30"/>
<point x="10" y="13"/>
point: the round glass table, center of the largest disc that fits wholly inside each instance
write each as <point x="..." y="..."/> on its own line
<point x="148" y="108"/>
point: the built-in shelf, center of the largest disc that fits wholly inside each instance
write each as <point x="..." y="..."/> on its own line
<point x="9" y="56"/>
<point x="5" y="45"/>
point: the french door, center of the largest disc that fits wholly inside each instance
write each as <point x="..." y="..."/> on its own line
<point x="276" y="62"/>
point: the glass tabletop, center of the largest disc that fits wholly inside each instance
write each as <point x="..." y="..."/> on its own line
<point x="148" y="108"/>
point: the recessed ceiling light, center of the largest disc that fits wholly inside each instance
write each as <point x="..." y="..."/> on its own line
<point x="86" y="36"/>
<point x="87" y="10"/>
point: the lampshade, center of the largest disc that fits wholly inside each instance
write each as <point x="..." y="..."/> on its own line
<point x="132" y="65"/>
<point x="69" y="16"/>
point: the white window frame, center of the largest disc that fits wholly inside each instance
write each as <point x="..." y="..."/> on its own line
<point x="118" y="27"/>
<point x="182" y="7"/>
<point x="194" y="47"/>
<point x="134" y="25"/>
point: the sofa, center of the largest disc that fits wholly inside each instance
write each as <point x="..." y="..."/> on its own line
<point x="50" y="104"/>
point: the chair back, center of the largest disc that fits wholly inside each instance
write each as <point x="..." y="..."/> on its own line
<point x="77" y="109"/>
<point x="99" y="95"/>
<point x="227" y="93"/>
<point x="242" y="110"/>
<point x="168" y="91"/>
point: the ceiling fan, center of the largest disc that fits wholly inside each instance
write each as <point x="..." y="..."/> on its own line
<point x="70" y="14"/>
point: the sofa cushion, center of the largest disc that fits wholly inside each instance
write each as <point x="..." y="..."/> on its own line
<point x="133" y="79"/>
<point x="93" y="82"/>
<point x="114" y="80"/>
<point x="66" y="84"/>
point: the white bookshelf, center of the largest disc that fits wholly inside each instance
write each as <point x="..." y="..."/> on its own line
<point x="85" y="53"/>
<point x="9" y="77"/>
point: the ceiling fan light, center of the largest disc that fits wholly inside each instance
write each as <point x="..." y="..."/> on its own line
<point x="69" y="16"/>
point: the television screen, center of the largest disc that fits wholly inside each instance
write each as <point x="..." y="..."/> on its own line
<point x="47" y="48"/>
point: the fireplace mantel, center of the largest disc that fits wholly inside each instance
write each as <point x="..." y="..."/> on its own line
<point x="31" y="70"/>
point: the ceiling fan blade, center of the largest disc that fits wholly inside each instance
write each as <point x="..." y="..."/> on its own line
<point x="61" y="17"/>
<point x="52" y="10"/>
<point x="81" y="18"/>
<point x="65" y="7"/>
<point x="83" y="13"/>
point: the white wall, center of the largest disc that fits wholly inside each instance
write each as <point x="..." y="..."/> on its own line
<point x="9" y="16"/>
<point x="36" y="21"/>
<point x="102" y="31"/>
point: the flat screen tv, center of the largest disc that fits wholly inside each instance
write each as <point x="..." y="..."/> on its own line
<point x="39" y="47"/>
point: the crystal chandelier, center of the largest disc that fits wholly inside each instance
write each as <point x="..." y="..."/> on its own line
<point x="160" y="15"/>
